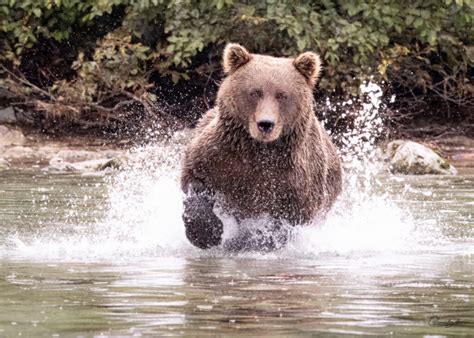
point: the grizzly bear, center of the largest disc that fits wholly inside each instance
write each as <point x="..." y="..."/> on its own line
<point x="260" y="151"/>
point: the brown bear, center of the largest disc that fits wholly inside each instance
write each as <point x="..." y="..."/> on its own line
<point x="260" y="150"/>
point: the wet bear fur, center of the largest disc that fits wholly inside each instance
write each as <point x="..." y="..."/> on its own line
<point x="259" y="152"/>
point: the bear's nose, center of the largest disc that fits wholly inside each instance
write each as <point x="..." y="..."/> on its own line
<point x="265" y="126"/>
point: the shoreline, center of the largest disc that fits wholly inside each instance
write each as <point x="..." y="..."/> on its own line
<point x="23" y="147"/>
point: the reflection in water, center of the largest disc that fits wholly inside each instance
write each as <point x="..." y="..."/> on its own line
<point x="368" y="294"/>
<point x="91" y="255"/>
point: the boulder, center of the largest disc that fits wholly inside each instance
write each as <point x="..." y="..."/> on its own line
<point x="7" y="115"/>
<point x="58" y="165"/>
<point x="10" y="136"/>
<point x="411" y="158"/>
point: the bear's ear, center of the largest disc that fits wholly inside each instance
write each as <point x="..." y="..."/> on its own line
<point x="235" y="56"/>
<point x="309" y="65"/>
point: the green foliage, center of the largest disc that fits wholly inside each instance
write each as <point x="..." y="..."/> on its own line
<point x="358" y="39"/>
<point x="412" y="43"/>
<point x="23" y="22"/>
<point x="116" y="67"/>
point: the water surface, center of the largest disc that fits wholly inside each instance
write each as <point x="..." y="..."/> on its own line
<point x="91" y="255"/>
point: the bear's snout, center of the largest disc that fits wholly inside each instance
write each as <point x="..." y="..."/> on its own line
<point x="266" y="123"/>
<point x="265" y="126"/>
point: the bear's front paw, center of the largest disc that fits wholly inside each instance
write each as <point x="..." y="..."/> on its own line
<point x="203" y="228"/>
<point x="204" y="231"/>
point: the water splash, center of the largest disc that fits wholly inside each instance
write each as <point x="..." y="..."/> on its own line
<point x="145" y="205"/>
<point x="147" y="202"/>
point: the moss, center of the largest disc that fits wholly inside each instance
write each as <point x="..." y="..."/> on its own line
<point x="444" y="164"/>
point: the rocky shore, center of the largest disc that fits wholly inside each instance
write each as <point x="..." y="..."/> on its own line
<point x="22" y="149"/>
<point x="19" y="149"/>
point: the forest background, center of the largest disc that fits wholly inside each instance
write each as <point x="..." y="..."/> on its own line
<point x="119" y="67"/>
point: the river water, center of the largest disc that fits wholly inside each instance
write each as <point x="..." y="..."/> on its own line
<point x="93" y="255"/>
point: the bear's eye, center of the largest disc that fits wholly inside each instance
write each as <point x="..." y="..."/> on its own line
<point x="281" y="96"/>
<point x="256" y="93"/>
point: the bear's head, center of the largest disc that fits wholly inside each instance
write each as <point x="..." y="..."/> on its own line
<point x="268" y="96"/>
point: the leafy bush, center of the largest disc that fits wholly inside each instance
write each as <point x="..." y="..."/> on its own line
<point x="417" y="47"/>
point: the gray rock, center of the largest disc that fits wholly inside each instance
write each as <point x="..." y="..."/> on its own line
<point x="82" y="161"/>
<point x="7" y="115"/>
<point x="10" y="136"/>
<point x="411" y="158"/>
<point x="58" y="165"/>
